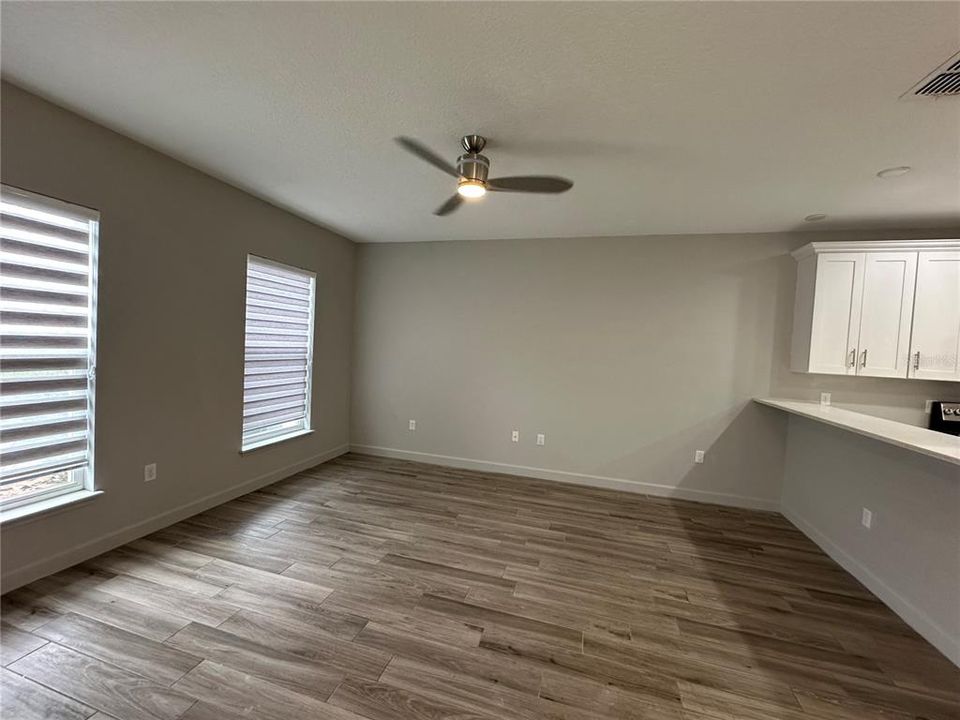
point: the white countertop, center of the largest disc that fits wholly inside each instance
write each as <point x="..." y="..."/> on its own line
<point x="926" y="442"/>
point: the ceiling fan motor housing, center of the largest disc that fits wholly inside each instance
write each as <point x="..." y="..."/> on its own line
<point x="473" y="166"/>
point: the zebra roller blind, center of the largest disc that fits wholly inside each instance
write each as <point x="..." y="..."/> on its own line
<point x="278" y="352"/>
<point x="47" y="317"/>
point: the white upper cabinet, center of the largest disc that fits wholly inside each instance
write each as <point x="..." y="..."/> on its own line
<point x="836" y="313"/>
<point x="868" y="308"/>
<point x="884" y="343"/>
<point x="935" y="344"/>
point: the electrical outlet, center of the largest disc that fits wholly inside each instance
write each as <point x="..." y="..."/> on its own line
<point x="150" y="472"/>
<point x="412" y="425"/>
<point x="515" y="436"/>
<point x="541" y="439"/>
<point x="866" y="518"/>
<point x="824" y="399"/>
<point x="698" y="457"/>
<point x="928" y="406"/>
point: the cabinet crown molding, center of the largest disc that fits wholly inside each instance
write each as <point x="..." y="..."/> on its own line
<point x="817" y="248"/>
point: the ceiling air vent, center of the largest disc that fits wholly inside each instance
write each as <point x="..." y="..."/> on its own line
<point x="942" y="82"/>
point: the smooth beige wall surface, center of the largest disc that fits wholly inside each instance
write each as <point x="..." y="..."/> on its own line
<point x="629" y="354"/>
<point x="910" y="557"/>
<point x="173" y="247"/>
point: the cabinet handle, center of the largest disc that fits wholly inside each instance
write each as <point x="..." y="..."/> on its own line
<point x="863" y="359"/>
<point x="916" y="360"/>
<point x="853" y="358"/>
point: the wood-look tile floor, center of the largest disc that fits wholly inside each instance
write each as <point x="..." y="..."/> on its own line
<point x="372" y="588"/>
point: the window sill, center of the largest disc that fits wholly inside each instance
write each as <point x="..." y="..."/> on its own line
<point x="43" y="507"/>
<point x="274" y="441"/>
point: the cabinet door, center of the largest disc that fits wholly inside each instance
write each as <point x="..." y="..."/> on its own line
<point x="836" y="313"/>
<point x="888" y="282"/>
<point x="935" y="341"/>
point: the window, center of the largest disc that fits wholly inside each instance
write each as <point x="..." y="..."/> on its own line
<point x="48" y="281"/>
<point x="278" y="352"/>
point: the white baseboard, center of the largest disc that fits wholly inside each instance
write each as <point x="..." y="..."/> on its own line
<point x="595" y="481"/>
<point x="92" y="548"/>
<point x="908" y="612"/>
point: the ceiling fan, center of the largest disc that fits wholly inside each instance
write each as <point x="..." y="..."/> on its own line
<point x="471" y="174"/>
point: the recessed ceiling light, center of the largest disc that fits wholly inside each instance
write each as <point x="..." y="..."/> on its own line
<point x="816" y="217"/>
<point x="894" y="172"/>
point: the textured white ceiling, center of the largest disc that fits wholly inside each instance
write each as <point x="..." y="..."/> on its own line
<point x="670" y="117"/>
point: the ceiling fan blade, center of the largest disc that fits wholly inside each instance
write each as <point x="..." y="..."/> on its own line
<point x="530" y="184"/>
<point x="452" y="203"/>
<point x="428" y="155"/>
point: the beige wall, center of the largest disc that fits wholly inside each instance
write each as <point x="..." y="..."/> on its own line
<point x="173" y="246"/>
<point x="628" y="353"/>
<point x="910" y="557"/>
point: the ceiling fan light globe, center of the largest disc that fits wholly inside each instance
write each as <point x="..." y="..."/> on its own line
<point x="471" y="189"/>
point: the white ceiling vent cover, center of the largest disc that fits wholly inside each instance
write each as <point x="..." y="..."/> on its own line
<point x="942" y="82"/>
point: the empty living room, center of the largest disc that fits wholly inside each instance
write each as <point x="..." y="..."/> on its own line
<point x="479" y="360"/>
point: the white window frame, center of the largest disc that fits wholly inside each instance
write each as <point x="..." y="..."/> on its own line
<point x="82" y="480"/>
<point x="308" y="391"/>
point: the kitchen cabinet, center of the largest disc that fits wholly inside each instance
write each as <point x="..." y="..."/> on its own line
<point x="935" y="343"/>
<point x="832" y="294"/>
<point x="867" y="309"/>
<point x="883" y="345"/>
